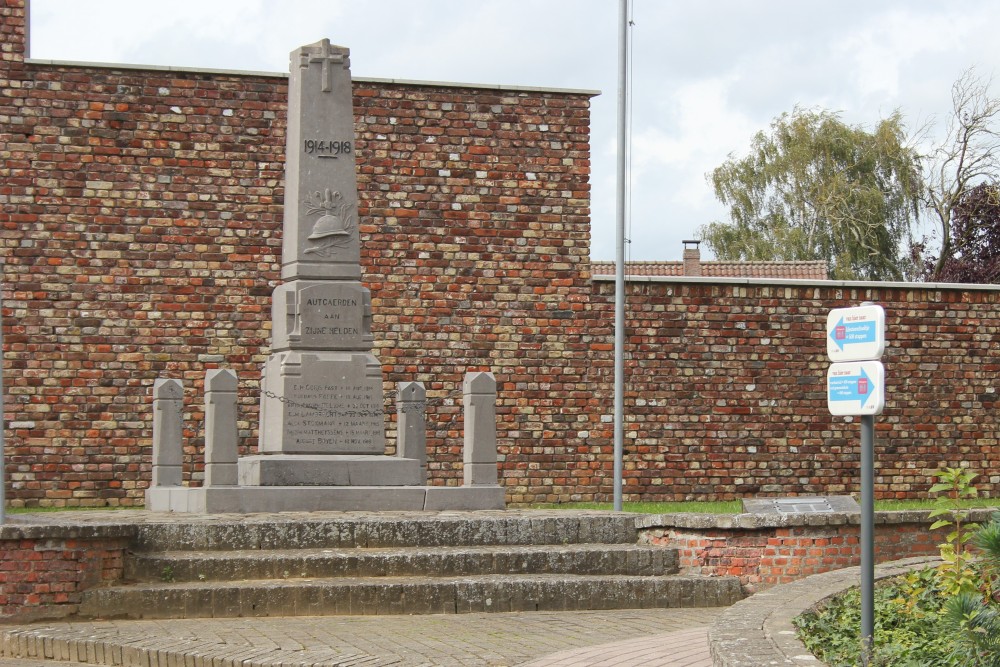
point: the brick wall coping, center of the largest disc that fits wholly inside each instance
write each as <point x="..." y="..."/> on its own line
<point x="789" y="282"/>
<point x="284" y="75"/>
<point x="758" y="631"/>
<point x="692" y="521"/>
<point x="122" y="523"/>
<point x="19" y="528"/>
<point x="133" y="523"/>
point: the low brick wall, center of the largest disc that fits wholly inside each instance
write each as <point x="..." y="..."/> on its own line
<point x="764" y="550"/>
<point x="43" y="569"/>
<point x="46" y="561"/>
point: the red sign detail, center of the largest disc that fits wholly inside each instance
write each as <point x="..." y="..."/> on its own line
<point x="840" y="333"/>
<point x="862" y="386"/>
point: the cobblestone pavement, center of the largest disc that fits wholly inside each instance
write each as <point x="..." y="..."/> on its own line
<point x="648" y="637"/>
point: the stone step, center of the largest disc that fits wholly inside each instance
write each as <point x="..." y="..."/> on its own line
<point x="407" y="595"/>
<point x="177" y="566"/>
<point x="228" y="533"/>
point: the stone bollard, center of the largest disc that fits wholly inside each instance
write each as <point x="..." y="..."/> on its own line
<point x="480" y="451"/>
<point x="411" y="424"/>
<point x="168" y="432"/>
<point x="221" y="436"/>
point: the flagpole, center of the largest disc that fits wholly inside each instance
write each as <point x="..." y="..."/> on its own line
<point x="619" y="416"/>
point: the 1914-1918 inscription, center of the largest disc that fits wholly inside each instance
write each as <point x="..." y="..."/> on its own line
<point x="329" y="149"/>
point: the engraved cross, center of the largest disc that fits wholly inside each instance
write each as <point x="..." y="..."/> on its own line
<point x="326" y="57"/>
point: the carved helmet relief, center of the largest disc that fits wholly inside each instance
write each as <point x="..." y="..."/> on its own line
<point x="334" y="227"/>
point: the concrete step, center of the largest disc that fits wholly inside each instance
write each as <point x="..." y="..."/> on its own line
<point x="371" y="531"/>
<point x="407" y="595"/>
<point x="633" y="559"/>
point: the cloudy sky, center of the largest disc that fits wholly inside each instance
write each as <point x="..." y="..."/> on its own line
<point x="706" y="75"/>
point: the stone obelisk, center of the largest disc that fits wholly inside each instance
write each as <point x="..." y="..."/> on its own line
<point x="322" y="387"/>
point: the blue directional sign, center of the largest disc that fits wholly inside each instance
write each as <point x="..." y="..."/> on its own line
<point x="855" y="334"/>
<point x="856" y="388"/>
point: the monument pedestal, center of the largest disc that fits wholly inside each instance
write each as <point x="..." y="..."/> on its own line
<point x="246" y="500"/>
<point x="322" y="403"/>
<point x="343" y="470"/>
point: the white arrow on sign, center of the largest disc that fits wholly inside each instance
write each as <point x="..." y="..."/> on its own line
<point x="856" y="388"/>
<point x="855" y="334"/>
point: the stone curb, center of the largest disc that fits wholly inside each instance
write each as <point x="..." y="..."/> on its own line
<point x="759" y="521"/>
<point x="758" y="631"/>
<point x="143" y="524"/>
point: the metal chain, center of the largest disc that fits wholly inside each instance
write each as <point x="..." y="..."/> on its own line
<point x="321" y="410"/>
<point x="414" y="407"/>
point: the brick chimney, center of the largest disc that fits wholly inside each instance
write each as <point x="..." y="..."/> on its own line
<point x="692" y="258"/>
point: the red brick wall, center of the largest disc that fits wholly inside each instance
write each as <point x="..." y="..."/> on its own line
<point x="773" y="554"/>
<point x="13" y="31"/>
<point x="731" y="378"/>
<point x="51" y="572"/>
<point x="726" y="393"/>
<point x="140" y="216"/>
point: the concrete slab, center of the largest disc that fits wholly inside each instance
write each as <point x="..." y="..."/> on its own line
<point x="440" y="498"/>
<point x="333" y="470"/>
<point x="801" y="504"/>
<point x="262" y="499"/>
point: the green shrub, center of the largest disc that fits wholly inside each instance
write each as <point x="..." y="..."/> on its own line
<point x="958" y="571"/>
<point x="947" y="616"/>
<point x="906" y="626"/>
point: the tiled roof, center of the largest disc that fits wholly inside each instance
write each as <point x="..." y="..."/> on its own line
<point x="785" y="270"/>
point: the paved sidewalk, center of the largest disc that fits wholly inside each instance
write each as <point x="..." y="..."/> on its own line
<point x="648" y="637"/>
<point x="682" y="648"/>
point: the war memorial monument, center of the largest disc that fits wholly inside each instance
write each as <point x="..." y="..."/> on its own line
<point x="322" y="426"/>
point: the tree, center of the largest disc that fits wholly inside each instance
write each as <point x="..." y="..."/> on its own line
<point x="968" y="157"/>
<point x="973" y="253"/>
<point x="815" y="188"/>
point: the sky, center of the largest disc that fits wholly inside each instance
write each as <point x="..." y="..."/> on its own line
<point x="705" y="76"/>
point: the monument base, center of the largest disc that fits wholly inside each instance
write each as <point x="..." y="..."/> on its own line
<point x="332" y="470"/>
<point x="256" y="499"/>
<point x="322" y="403"/>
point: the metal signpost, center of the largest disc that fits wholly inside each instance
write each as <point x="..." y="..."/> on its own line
<point x="856" y="388"/>
<point x="855" y="385"/>
<point x="855" y="334"/>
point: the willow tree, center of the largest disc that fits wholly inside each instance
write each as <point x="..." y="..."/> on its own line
<point x="815" y="188"/>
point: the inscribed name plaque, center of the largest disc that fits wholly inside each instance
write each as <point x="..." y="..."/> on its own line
<point x="322" y="315"/>
<point x="801" y="505"/>
<point x="323" y="403"/>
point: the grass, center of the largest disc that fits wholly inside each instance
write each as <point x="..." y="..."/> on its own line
<point x="694" y="506"/>
<point x="887" y="505"/>
<point x="75" y="508"/>
<point x="700" y="507"/>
